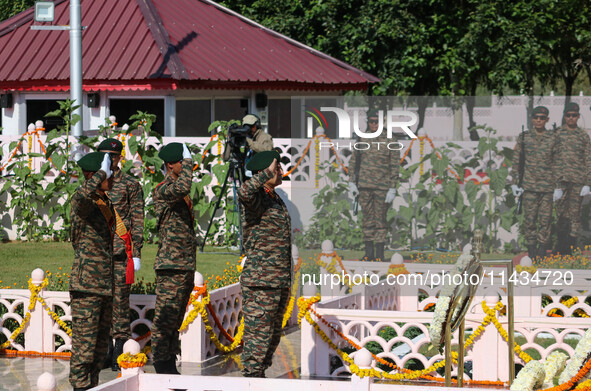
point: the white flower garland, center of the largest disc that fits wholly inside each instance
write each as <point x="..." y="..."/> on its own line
<point x="444" y="300"/>
<point x="577" y="361"/>
<point x="530" y="377"/>
<point x="553" y="366"/>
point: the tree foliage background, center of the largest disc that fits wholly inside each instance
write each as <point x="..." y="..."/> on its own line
<point x="437" y="47"/>
<point x="10" y="8"/>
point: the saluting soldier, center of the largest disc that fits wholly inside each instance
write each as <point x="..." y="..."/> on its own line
<point x="266" y="277"/>
<point x="128" y="200"/>
<point x="175" y="260"/>
<point x="540" y="150"/>
<point x="573" y="180"/>
<point x="373" y="174"/>
<point x="91" y="279"/>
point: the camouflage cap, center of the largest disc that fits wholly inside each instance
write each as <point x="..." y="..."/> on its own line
<point x="262" y="160"/>
<point x="91" y="162"/>
<point x="171" y="153"/>
<point x="540" y="110"/>
<point x="571" y="107"/>
<point x="110" y="144"/>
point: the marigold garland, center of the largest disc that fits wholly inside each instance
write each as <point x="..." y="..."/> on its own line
<point x="294" y="290"/>
<point x="32" y="301"/>
<point x="127" y="360"/>
<point x="199" y="308"/>
<point x="397" y="269"/>
<point x="529" y="269"/>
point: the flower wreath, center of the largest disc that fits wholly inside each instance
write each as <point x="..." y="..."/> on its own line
<point x="444" y="300"/>
<point x="582" y="352"/>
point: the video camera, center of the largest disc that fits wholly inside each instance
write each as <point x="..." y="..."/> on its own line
<point x="237" y="144"/>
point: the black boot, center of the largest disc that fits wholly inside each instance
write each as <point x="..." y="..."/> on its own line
<point x="171" y="366"/>
<point x="531" y="251"/>
<point x="380" y="253"/>
<point x="109" y="356"/>
<point x="563" y="239"/>
<point x="368" y="257"/>
<point x="117" y="351"/>
<point x="161" y="367"/>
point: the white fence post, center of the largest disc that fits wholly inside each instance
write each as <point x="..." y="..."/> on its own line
<point x="193" y="338"/>
<point x="34" y="331"/>
<point x="363" y="360"/>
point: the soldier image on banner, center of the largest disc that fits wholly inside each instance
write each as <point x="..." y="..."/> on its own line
<point x="267" y="273"/>
<point x="539" y="149"/>
<point x="574" y="179"/>
<point x="175" y="260"/>
<point x="127" y="197"/>
<point x="373" y="177"/>
<point x="91" y="279"/>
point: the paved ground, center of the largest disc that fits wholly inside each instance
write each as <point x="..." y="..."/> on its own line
<point x="22" y="373"/>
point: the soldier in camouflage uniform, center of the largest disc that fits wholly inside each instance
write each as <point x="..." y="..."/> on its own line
<point x="266" y="277"/>
<point x="128" y="199"/>
<point x="574" y="178"/>
<point x="373" y="173"/>
<point x="175" y="261"/>
<point x="91" y="279"/>
<point x="539" y="181"/>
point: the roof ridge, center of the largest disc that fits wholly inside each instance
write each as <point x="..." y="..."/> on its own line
<point x="20" y="19"/>
<point x="169" y="53"/>
<point x="292" y="41"/>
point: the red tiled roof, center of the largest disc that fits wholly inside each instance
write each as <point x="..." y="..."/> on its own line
<point x="151" y="44"/>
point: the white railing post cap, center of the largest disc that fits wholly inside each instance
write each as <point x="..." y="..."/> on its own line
<point x="132" y="347"/>
<point x="396" y="259"/>
<point x="37" y="276"/>
<point x="526" y="262"/>
<point x="46" y="382"/>
<point x="363" y="358"/>
<point x="198" y="279"/>
<point x="309" y="290"/>
<point x="327" y="247"/>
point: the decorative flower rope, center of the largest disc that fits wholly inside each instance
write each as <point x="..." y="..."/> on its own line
<point x="304" y="312"/>
<point x="200" y="308"/>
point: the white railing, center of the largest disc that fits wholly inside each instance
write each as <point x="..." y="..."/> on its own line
<point x="43" y="333"/>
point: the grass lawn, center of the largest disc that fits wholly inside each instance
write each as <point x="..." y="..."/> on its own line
<point x="19" y="259"/>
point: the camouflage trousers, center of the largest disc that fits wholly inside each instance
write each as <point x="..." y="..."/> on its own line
<point x="91" y="322"/>
<point x="374" y="214"/>
<point x="120" y="328"/>
<point x="569" y="209"/>
<point x="173" y="288"/>
<point x="537" y="217"/>
<point x="263" y="310"/>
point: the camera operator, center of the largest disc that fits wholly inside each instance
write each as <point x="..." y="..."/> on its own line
<point x="258" y="140"/>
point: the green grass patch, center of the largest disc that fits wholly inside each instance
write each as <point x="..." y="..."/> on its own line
<point x="19" y="259"/>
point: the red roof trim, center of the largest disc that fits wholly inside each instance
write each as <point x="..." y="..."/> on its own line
<point x="127" y="85"/>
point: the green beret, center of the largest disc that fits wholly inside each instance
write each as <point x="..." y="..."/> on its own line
<point x="571" y="107"/>
<point x="171" y="153"/>
<point x="262" y="160"/>
<point x="110" y="144"/>
<point x="91" y="162"/>
<point x="373" y="113"/>
<point x="540" y="110"/>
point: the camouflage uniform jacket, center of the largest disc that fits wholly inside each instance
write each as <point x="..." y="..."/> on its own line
<point x="575" y="156"/>
<point x="260" y="141"/>
<point x="128" y="200"/>
<point x="176" y="244"/>
<point x="541" y="161"/>
<point x="378" y="169"/>
<point x="92" y="239"/>
<point x="267" y="235"/>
